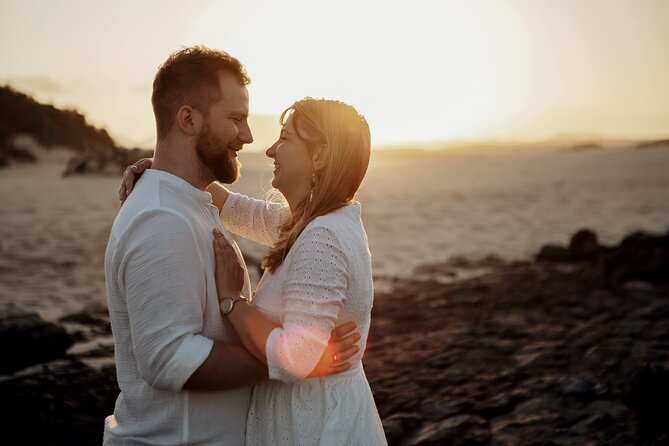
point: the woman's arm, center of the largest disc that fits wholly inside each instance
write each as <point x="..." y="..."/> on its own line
<point x="254" y="328"/>
<point x="254" y="219"/>
<point x="219" y="194"/>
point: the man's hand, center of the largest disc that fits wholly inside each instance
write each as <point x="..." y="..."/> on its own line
<point x="341" y="347"/>
<point x="130" y="177"/>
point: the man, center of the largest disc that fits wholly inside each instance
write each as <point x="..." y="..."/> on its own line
<point x="183" y="375"/>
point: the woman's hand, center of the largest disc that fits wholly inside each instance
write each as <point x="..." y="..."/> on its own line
<point x="130" y="177"/>
<point x="229" y="272"/>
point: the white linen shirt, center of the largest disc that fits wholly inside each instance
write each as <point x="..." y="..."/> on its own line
<point x="161" y="292"/>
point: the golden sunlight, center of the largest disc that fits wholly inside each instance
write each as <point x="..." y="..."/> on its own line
<point x="426" y="71"/>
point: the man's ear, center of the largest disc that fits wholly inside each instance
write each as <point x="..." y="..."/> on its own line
<point x="319" y="157"/>
<point x="189" y="120"/>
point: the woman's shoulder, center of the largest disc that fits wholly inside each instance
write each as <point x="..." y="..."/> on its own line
<point x="336" y="225"/>
<point x="336" y="219"/>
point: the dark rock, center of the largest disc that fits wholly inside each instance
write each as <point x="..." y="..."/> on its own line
<point x="92" y="321"/>
<point x="460" y="430"/>
<point x="438" y="408"/>
<point x="541" y="351"/>
<point x="103" y="160"/>
<point x="640" y="256"/>
<point x="9" y="152"/>
<point x="398" y="425"/>
<point x="83" y="317"/>
<point x="583" y="244"/>
<point x="647" y="394"/>
<point x="496" y="405"/>
<point x="60" y="403"/>
<point x="638" y="289"/>
<point x="27" y="339"/>
<point x="579" y="387"/>
<point x="553" y="253"/>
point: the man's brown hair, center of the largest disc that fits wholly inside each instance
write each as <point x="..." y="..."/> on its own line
<point x="190" y="77"/>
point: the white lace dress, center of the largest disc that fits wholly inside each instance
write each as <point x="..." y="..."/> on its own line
<point x="325" y="280"/>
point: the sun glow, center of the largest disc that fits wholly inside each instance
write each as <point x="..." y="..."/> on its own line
<point x="429" y="70"/>
<point x="417" y="71"/>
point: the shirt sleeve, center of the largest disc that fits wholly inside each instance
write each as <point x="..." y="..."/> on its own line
<point x="163" y="280"/>
<point x="314" y="294"/>
<point x="256" y="220"/>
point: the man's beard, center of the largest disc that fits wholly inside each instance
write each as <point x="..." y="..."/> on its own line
<point x="216" y="158"/>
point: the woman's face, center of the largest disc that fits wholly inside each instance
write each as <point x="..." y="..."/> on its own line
<point x="292" y="164"/>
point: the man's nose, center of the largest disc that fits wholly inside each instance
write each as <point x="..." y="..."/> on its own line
<point x="245" y="134"/>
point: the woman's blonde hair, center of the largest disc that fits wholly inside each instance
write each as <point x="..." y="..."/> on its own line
<point x="342" y="134"/>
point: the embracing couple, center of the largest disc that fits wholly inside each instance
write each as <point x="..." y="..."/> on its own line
<point x="200" y="358"/>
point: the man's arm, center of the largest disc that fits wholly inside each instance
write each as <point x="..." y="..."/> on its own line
<point x="227" y="367"/>
<point x="162" y="277"/>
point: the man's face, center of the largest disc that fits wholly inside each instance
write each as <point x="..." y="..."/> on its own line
<point x="225" y="131"/>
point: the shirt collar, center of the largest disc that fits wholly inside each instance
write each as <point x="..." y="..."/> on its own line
<point x="180" y="184"/>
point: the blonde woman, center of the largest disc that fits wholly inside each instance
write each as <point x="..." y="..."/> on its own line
<point x="317" y="274"/>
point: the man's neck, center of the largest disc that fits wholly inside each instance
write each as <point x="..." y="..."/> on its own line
<point x="184" y="166"/>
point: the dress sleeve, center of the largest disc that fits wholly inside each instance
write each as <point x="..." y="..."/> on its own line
<point x="256" y="220"/>
<point x="161" y="274"/>
<point x="314" y="294"/>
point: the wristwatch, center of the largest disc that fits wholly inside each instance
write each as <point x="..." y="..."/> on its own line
<point x="228" y="303"/>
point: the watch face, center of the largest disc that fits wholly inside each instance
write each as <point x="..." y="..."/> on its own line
<point x="226" y="305"/>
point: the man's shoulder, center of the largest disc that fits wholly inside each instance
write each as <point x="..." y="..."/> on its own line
<point x="149" y="221"/>
<point x="147" y="202"/>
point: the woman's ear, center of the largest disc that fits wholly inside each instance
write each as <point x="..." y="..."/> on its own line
<point x="189" y="120"/>
<point x="319" y="157"/>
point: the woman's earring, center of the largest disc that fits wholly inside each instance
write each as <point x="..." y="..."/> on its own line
<point x="312" y="186"/>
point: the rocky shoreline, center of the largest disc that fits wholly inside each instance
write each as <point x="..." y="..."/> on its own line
<point x="570" y="348"/>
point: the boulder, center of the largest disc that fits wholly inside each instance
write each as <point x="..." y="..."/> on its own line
<point x="640" y="256"/>
<point x="63" y="403"/>
<point x="553" y="253"/>
<point x="27" y="339"/>
<point x="584" y="244"/>
<point x="647" y="394"/>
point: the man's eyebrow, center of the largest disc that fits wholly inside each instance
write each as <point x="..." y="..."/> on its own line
<point x="239" y="113"/>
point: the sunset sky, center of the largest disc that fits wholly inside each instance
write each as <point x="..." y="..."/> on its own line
<point x="420" y="71"/>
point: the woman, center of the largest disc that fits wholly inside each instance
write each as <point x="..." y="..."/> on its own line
<point x="317" y="275"/>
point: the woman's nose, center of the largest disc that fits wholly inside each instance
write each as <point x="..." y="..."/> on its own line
<point x="271" y="152"/>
